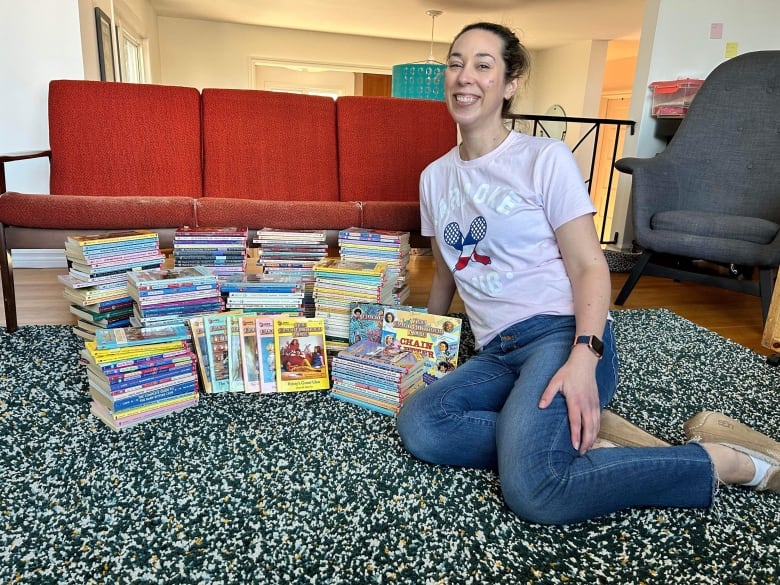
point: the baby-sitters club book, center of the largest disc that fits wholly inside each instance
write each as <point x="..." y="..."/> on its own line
<point x="434" y="338"/>
<point x="299" y="347"/>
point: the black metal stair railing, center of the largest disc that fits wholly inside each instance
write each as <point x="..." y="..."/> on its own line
<point x="595" y="126"/>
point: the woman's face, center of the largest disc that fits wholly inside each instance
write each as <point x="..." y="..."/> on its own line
<point x="474" y="83"/>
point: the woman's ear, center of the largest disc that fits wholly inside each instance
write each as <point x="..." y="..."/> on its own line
<point x="511" y="88"/>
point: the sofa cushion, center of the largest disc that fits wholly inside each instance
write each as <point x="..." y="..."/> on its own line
<point x="328" y="215"/>
<point x="385" y="143"/>
<point x="269" y="146"/>
<point x="63" y="212"/>
<point x="392" y="215"/>
<point x="124" y="139"/>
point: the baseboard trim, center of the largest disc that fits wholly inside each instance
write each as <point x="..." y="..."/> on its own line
<point x="46" y="258"/>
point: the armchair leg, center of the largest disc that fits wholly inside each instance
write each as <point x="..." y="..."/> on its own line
<point x="7" y="279"/>
<point x="633" y="278"/>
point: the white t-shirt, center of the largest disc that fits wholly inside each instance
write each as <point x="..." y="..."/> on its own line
<point x="494" y="220"/>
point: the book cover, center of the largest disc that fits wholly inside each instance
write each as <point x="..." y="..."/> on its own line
<point x="83" y="240"/>
<point x="266" y="354"/>
<point x="284" y="235"/>
<point x="360" y="401"/>
<point x="202" y="351"/>
<point x="151" y="397"/>
<point x="300" y="354"/>
<point x="218" y="343"/>
<point x="389" y="358"/>
<point x="374" y="235"/>
<point x="170" y="277"/>
<point x="249" y="353"/>
<point x="200" y="231"/>
<point x="126" y="336"/>
<point x="434" y="338"/>
<point x="365" y="319"/>
<point x="132" y="418"/>
<point x="339" y="266"/>
<point x="131" y="382"/>
<point x="141" y="386"/>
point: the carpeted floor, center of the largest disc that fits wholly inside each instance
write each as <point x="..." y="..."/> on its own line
<point x="305" y="489"/>
<point x="620" y="261"/>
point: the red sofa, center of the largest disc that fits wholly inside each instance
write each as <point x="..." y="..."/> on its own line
<point x="126" y="156"/>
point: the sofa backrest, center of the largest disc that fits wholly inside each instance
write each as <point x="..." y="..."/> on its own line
<point x="269" y="146"/>
<point x="124" y="139"/>
<point x="385" y="143"/>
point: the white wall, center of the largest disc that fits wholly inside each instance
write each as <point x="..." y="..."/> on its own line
<point x="676" y="43"/>
<point x="200" y="53"/>
<point x="40" y="42"/>
<point x="572" y="77"/>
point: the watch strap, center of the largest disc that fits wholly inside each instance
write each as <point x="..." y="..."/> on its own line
<point x="593" y="343"/>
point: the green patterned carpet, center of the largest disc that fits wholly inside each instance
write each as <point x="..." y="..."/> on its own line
<point x="306" y="489"/>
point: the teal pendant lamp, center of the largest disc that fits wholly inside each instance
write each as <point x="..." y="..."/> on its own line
<point x="423" y="80"/>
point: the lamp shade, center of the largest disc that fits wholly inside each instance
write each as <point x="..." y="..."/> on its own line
<point x="422" y="81"/>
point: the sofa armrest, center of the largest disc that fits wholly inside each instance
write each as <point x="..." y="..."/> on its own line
<point x="14" y="156"/>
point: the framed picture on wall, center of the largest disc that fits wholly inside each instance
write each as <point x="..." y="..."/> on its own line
<point x="105" y="46"/>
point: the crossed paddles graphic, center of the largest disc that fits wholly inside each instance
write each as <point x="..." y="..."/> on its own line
<point x="467" y="246"/>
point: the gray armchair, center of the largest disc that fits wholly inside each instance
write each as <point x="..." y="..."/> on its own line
<point x="714" y="193"/>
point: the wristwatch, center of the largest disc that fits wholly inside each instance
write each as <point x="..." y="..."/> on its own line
<point x="593" y="342"/>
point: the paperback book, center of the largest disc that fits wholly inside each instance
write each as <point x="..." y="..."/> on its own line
<point x="433" y="338"/>
<point x="202" y="351"/>
<point x="266" y="353"/>
<point x="218" y="342"/>
<point x="249" y="353"/>
<point x="366" y="319"/>
<point x="127" y="336"/>
<point x="299" y="344"/>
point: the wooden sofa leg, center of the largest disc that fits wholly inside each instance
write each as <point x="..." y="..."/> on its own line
<point x="633" y="278"/>
<point x="7" y="279"/>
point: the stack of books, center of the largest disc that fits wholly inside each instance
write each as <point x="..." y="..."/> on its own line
<point x="340" y="282"/>
<point x="292" y="253"/>
<point x="96" y="283"/>
<point x="389" y="246"/>
<point x="167" y="296"/>
<point x="223" y="250"/>
<point x="268" y="294"/>
<point x="375" y="376"/>
<point x="139" y="374"/>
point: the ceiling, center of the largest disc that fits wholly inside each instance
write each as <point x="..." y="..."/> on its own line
<point x="541" y="24"/>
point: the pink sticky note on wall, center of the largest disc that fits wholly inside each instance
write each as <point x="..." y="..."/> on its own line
<point x="716" y="30"/>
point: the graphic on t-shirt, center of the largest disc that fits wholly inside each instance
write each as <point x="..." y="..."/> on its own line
<point x="467" y="246"/>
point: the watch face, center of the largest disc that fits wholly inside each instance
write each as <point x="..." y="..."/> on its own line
<point x="597" y="345"/>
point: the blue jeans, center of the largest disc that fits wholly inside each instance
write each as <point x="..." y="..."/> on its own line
<point x="485" y="414"/>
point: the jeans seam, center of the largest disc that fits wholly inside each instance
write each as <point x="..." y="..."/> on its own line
<point x="461" y="417"/>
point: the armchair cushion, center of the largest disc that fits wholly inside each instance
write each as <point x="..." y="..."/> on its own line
<point x="716" y="225"/>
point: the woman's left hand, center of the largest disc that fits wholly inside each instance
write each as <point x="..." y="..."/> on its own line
<point x="576" y="382"/>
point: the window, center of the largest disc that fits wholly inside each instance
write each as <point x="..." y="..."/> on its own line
<point x="131" y="57"/>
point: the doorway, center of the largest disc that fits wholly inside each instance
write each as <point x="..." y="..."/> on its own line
<point x="613" y="106"/>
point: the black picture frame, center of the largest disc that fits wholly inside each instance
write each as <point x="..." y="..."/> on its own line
<point x="105" y="45"/>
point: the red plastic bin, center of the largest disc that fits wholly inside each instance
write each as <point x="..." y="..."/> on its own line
<point x="671" y="99"/>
